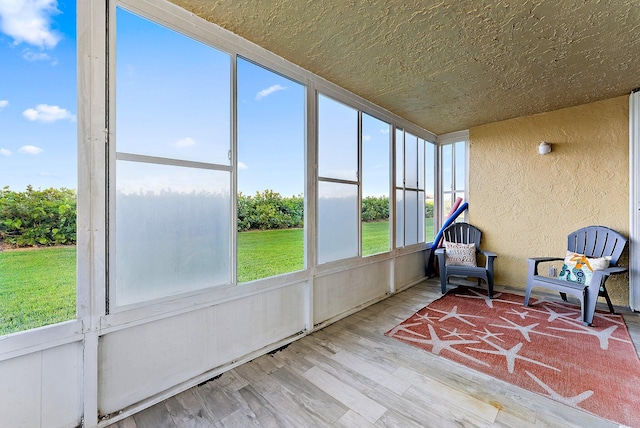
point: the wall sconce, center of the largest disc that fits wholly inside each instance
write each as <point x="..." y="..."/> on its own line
<point x="544" y="148"/>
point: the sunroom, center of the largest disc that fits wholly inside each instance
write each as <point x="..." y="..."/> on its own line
<point x="248" y="174"/>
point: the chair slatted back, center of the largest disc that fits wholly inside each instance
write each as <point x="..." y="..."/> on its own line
<point x="463" y="233"/>
<point x="597" y="241"/>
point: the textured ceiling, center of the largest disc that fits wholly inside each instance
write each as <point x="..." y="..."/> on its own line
<point x="450" y="65"/>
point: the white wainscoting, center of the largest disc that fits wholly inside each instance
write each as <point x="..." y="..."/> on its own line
<point x="147" y="359"/>
<point x="42" y="388"/>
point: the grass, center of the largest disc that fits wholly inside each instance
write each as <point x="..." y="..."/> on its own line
<point x="375" y="237"/>
<point x="38" y="286"/>
<point x="265" y="253"/>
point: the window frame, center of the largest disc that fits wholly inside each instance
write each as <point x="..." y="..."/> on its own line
<point x="177" y="19"/>
<point x="115" y="156"/>
<point x="404" y="187"/>
<point x="235" y="149"/>
<point x="451" y="139"/>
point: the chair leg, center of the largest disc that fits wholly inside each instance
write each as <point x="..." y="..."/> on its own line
<point x="589" y="304"/>
<point x="527" y="295"/>
<point x="533" y="269"/>
<point x="603" y="292"/>
<point x="443" y="282"/>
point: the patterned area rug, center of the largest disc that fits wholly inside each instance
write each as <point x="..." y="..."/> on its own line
<point x="543" y="348"/>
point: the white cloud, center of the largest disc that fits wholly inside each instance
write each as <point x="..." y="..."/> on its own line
<point x="185" y="142"/>
<point x="366" y="138"/>
<point x="270" y="90"/>
<point x="5" y="152"/>
<point x="30" y="150"/>
<point x="32" y="56"/>
<point x="242" y="165"/>
<point x="47" y="113"/>
<point x="29" y="21"/>
<point x="3" y="104"/>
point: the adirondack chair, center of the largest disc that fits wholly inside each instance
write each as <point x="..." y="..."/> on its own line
<point x="593" y="242"/>
<point x="464" y="233"/>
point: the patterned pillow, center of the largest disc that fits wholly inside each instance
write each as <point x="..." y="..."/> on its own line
<point x="460" y="254"/>
<point x="579" y="268"/>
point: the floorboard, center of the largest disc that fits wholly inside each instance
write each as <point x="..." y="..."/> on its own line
<point x="350" y="375"/>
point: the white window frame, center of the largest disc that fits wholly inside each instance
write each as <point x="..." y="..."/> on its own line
<point x="446" y="140"/>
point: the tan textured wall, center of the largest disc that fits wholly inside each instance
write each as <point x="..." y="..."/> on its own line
<point x="526" y="204"/>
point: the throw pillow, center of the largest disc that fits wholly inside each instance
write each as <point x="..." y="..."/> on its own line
<point x="579" y="268"/>
<point x="460" y="254"/>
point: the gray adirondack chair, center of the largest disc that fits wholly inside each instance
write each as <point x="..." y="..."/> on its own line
<point x="592" y="241"/>
<point x="464" y="233"/>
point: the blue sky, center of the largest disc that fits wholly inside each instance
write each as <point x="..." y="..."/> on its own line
<point x="172" y="101"/>
<point x="37" y="94"/>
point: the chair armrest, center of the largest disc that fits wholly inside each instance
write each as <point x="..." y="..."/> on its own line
<point x="439" y="251"/>
<point x="545" y="259"/>
<point x="613" y="270"/>
<point x="600" y="276"/>
<point x="488" y="253"/>
<point x="489" y="258"/>
<point x="534" y="261"/>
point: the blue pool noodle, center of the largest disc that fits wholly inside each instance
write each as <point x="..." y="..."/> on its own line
<point x="447" y="223"/>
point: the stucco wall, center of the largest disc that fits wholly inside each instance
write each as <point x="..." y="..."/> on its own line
<point x="526" y="204"/>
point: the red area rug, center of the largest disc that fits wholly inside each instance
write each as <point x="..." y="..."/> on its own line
<point x="543" y="348"/>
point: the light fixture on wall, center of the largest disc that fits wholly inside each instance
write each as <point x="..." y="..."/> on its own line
<point x="544" y="148"/>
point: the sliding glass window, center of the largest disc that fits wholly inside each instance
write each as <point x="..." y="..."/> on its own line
<point x="376" y="141"/>
<point x="337" y="181"/>
<point x="429" y="191"/>
<point x="270" y="200"/>
<point x="173" y="174"/>
<point x="454" y="174"/>
<point x="414" y="189"/>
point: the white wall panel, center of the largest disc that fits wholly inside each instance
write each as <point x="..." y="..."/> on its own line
<point x="409" y="268"/>
<point x="139" y="362"/>
<point x="336" y="293"/>
<point x="42" y="389"/>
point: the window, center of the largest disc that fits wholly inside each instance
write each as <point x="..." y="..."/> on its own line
<point x="270" y="203"/>
<point x="353" y="182"/>
<point x="429" y="189"/>
<point x="337" y="180"/>
<point x="172" y="173"/>
<point x="376" y="137"/>
<point x="454" y="170"/>
<point x="38" y="164"/>
<point x="414" y="170"/>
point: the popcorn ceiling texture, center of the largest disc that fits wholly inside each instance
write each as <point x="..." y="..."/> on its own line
<point x="526" y="204"/>
<point x="448" y="66"/>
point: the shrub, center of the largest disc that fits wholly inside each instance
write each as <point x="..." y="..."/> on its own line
<point x="428" y="209"/>
<point x="375" y="208"/>
<point x="269" y="210"/>
<point x="38" y="217"/>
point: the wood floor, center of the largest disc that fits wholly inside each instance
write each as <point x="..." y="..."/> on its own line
<point x="350" y="375"/>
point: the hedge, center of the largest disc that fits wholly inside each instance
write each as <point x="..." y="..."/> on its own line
<point x="48" y="217"/>
<point x="38" y="217"/>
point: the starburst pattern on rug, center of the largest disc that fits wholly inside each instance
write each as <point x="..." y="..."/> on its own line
<point x="543" y="348"/>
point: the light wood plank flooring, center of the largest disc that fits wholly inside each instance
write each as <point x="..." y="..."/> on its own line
<point x="350" y="375"/>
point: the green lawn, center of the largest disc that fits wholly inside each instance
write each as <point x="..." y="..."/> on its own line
<point x="38" y="287"/>
<point x="375" y="237"/>
<point x="265" y="253"/>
